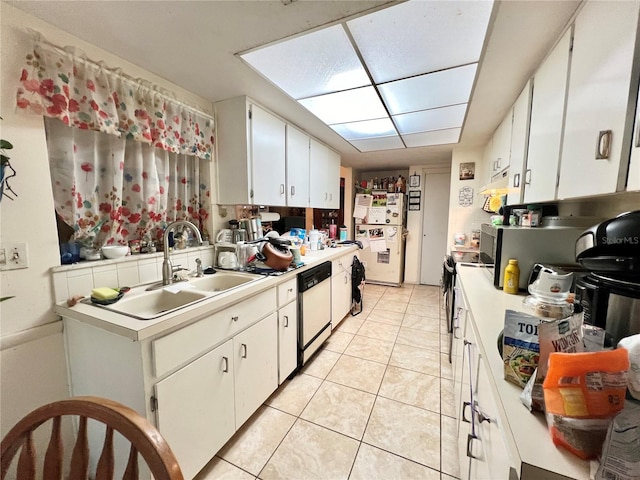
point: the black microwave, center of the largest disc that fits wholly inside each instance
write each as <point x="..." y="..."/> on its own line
<point x="528" y="245"/>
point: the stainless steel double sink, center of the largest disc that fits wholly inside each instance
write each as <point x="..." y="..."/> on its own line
<point x="146" y="305"/>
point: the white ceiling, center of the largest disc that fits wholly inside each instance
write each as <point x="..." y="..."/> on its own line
<point x="194" y="44"/>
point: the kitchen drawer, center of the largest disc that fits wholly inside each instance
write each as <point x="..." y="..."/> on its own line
<point x="287" y="291"/>
<point x="179" y="347"/>
<point x="339" y="265"/>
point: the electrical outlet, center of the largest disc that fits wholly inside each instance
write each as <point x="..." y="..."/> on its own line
<point x="13" y="256"/>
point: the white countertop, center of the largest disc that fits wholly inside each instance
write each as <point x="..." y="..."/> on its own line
<point x="138" y="330"/>
<point x="529" y="434"/>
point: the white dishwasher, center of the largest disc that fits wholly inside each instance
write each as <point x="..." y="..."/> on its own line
<point x="314" y="310"/>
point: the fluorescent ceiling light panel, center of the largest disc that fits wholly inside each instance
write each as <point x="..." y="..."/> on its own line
<point x="418" y="37"/>
<point x="440" y="89"/>
<point x="382" y="127"/>
<point x="380" y="143"/>
<point x="437" y="137"/>
<point x="427" y="120"/>
<point x="309" y="65"/>
<point x="350" y="106"/>
<point x="419" y="57"/>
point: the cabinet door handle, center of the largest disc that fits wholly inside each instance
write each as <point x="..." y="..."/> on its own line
<point x="638" y="134"/>
<point x="235" y="319"/>
<point x="454" y="333"/>
<point x="225" y="361"/>
<point x="527" y="176"/>
<point x="464" y="409"/>
<point x="290" y="290"/>
<point x="286" y="321"/>
<point x="293" y="190"/>
<point x="516" y="180"/>
<point x="481" y="416"/>
<point x="471" y="437"/>
<point x="603" y="147"/>
<point x="326" y="196"/>
<point x="346" y="279"/>
<point x="282" y="189"/>
<point x="243" y="350"/>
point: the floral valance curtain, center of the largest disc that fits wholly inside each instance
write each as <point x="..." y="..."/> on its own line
<point x="111" y="190"/>
<point x="63" y="84"/>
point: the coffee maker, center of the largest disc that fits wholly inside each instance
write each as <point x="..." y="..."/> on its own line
<point x="610" y="293"/>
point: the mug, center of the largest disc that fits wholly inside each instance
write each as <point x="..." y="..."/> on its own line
<point x="224" y="236"/>
<point x="227" y="260"/>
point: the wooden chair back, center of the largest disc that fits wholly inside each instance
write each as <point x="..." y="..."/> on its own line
<point x="142" y="435"/>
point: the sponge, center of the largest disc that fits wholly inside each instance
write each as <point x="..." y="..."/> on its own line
<point x="104" y="293"/>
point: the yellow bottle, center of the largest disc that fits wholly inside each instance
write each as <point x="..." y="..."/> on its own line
<point x="511" y="277"/>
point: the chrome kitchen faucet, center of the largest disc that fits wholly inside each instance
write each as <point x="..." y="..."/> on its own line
<point x="167" y="268"/>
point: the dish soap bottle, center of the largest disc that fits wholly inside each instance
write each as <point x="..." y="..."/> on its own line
<point x="511" y="277"/>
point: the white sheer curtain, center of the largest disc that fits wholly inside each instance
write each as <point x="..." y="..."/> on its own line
<point x="111" y="190"/>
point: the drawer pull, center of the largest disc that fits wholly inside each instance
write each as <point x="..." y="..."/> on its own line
<point x="235" y="319"/>
<point x="471" y="437"/>
<point x="290" y="290"/>
<point x="286" y="321"/>
<point x="225" y="360"/>
<point x="603" y="147"/>
<point x="243" y="350"/>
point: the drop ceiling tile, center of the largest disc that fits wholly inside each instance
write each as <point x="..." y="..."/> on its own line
<point x="305" y="66"/>
<point x="343" y="107"/>
<point x="440" y="89"/>
<point x="434" y="119"/>
<point x="437" y="137"/>
<point x="417" y="37"/>
<point x="382" y="127"/>
<point x="380" y="143"/>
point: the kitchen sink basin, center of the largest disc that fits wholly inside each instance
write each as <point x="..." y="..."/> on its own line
<point x="222" y="281"/>
<point x="154" y="304"/>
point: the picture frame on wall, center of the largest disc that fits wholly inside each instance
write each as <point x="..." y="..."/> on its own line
<point x="467" y="171"/>
<point x="414" y="180"/>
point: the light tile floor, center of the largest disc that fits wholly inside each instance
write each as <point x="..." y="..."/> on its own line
<point x="376" y="402"/>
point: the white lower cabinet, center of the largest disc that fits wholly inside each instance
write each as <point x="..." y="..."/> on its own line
<point x="340" y="289"/>
<point x="197" y="402"/>
<point x="255" y="366"/>
<point x="287" y="341"/>
<point x="198" y="383"/>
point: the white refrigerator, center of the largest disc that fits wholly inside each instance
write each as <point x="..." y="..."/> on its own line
<point x="380" y="226"/>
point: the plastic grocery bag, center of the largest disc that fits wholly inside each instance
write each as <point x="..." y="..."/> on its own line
<point x="582" y="393"/>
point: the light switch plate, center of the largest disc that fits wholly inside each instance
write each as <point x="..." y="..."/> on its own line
<point x="13" y="256"/>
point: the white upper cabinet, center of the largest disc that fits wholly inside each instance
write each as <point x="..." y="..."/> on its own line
<point x="519" y="142"/>
<point x="599" y="126"/>
<point x="545" y="131"/>
<point x="262" y="160"/>
<point x="501" y="148"/>
<point x="268" y="158"/>
<point x="297" y="168"/>
<point x="633" y="178"/>
<point x="324" y="170"/>
<point x="250" y="154"/>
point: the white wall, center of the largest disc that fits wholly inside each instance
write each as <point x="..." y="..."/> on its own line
<point x="32" y="366"/>
<point x="466" y="219"/>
